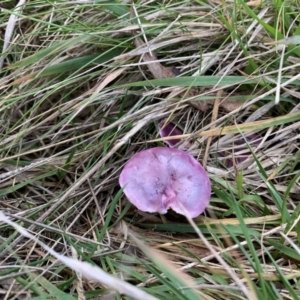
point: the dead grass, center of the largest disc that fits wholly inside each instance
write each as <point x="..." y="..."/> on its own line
<point x="82" y="86"/>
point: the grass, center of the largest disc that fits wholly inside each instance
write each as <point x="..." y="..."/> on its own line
<point x="79" y="98"/>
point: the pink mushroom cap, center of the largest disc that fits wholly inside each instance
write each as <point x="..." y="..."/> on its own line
<point x="160" y="178"/>
<point x="169" y="129"/>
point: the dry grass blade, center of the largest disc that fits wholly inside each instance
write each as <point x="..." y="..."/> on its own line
<point x="213" y="119"/>
<point x="79" y="285"/>
<point x="10" y="29"/>
<point x="85" y="269"/>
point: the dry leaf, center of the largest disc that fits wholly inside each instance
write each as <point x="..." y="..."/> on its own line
<point x="157" y="70"/>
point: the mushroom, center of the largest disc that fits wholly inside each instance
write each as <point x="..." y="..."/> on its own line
<point x="160" y="178"/>
<point x="169" y="129"/>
